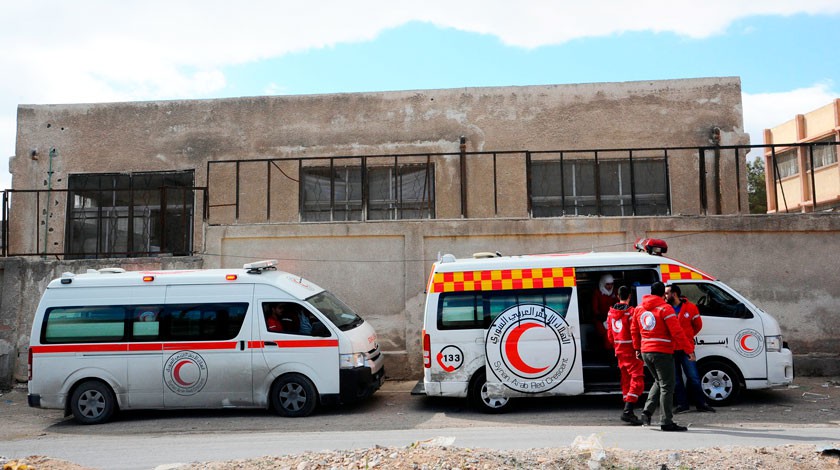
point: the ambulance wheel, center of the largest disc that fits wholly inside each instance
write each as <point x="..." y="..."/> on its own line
<point x="293" y="396"/>
<point x="481" y="400"/>
<point x="92" y="402"/>
<point x="720" y="382"/>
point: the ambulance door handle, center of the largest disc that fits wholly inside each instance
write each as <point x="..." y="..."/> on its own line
<point x="270" y="343"/>
<point x="242" y="345"/>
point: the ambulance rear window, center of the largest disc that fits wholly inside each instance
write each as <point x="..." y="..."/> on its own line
<point x="475" y="310"/>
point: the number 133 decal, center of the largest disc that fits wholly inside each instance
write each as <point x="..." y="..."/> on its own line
<point x="450" y="358"/>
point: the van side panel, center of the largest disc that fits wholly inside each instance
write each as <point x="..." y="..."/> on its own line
<point x="208" y="372"/>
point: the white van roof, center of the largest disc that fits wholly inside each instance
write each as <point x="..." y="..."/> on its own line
<point x="256" y="273"/>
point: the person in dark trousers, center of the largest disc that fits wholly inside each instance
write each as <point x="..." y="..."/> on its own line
<point x="632" y="368"/>
<point x="691" y="324"/>
<point x="655" y="330"/>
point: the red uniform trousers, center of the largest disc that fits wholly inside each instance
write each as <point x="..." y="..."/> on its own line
<point x="632" y="376"/>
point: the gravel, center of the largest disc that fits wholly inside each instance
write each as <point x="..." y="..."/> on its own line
<point x="585" y="453"/>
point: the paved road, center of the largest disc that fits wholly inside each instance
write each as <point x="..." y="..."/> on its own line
<point x="806" y="413"/>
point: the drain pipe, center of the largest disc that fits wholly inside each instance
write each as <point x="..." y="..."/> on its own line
<point x="48" y="204"/>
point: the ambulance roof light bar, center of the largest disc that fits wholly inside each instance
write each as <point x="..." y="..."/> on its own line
<point x="651" y="246"/>
<point x="258" y="267"/>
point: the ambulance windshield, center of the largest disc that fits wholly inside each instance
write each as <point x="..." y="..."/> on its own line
<point x="339" y="314"/>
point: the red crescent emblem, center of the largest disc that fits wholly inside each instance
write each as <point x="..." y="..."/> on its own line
<point x="512" y="349"/>
<point x="176" y="374"/>
<point x="744" y="343"/>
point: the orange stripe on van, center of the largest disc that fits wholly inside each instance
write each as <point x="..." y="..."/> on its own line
<point x="131" y="347"/>
<point x="503" y="279"/>
<point x="73" y="348"/>
<point x="296" y="343"/>
<point x="673" y="272"/>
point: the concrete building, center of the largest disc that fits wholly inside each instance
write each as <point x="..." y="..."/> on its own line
<point x="361" y="192"/>
<point x="792" y="184"/>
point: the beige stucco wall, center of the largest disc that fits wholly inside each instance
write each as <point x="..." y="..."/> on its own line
<point x="185" y="135"/>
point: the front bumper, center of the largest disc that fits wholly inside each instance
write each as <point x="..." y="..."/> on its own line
<point x="359" y="383"/>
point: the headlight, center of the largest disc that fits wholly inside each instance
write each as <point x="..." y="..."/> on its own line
<point x="773" y="343"/>
<point x="350" y="361"/>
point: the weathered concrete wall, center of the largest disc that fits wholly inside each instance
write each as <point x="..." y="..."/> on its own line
<point x="779" y="262"/>
<point x="185" y="135"/>
<point x="23" y="280"/>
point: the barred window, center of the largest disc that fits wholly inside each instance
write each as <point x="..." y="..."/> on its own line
<point x="578" y="186"/>
<point x="135" y="214"/>
<point x="403" y="191"/>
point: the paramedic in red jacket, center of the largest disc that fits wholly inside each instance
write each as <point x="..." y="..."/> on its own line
<point x="656" y="333"/>
<point x="632" y="368"/>
<point x="691" y="323"/>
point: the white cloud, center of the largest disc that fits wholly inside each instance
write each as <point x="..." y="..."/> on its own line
<point x="55" y="51"/>
<point x="767" y="110"/>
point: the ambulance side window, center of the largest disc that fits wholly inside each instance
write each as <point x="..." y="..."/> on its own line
<point x="713" y="301"/>
<point x="459" y="311"/>
<point x="92" y="324"/>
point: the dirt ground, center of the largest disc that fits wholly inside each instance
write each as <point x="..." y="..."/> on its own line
<point x="812" y="401"/>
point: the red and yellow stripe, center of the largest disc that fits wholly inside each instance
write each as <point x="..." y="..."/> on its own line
<point x="673" y="272"/>
<point x="503" y="279"/>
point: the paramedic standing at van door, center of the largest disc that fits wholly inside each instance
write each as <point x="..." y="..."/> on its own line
<point x="602" y="301"/>
<point x="691" y="323"/>
<point x="632" y="368"/>
<point x="655" y="330"/>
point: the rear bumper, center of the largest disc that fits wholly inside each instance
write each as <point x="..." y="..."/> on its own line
<point x="359" y="383"/>
<point x="34" y="400"/>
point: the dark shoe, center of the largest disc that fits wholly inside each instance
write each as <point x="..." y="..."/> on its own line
<point x="705" y="408"/>
<point x="680" y="409"/>
<point x="673" y="427"/>
<point x="630" y="417"/>
<point x="645" y="419"/>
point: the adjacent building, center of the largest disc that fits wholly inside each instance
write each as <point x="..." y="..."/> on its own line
<point x="804" y="177"/>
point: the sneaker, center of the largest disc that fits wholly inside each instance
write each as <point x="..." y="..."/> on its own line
<point x="645" y="419"/>
<point x="705" y="408"/>
<point x="681" y="409"/>
<point x="673" y="427"/>
<point x="630" y="417"/>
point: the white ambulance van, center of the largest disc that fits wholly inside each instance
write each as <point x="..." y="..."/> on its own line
<point x="255" y="337"/>
<point x="497" y="327"/>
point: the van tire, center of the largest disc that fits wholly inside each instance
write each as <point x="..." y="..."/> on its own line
<point x="720" y="382"/>
<point x="293" y="396"/>
<point x="477" y="395"/>
<point x="93" y="402"/>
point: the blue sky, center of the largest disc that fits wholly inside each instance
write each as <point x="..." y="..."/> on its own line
<point x="53" y="51"/>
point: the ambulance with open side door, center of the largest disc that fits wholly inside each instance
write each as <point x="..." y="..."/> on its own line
<point x="112" y="340"/>
<point x="498" y="327"/>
